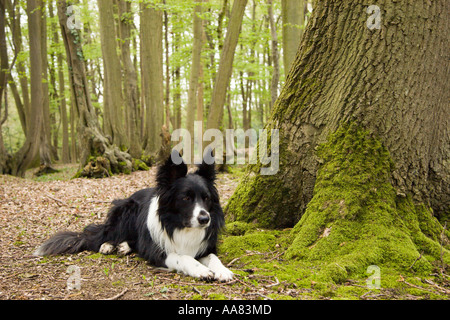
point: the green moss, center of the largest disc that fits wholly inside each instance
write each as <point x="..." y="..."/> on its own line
<point x="238" y="228"/>
<point x="355" y="218"/>
<point x="261" y="199"/>
<point x="235" y="246"/>
<point x="217" y="296"/>
<point x="139" y="165"/>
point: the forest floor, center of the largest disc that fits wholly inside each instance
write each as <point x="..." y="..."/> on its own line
<point x="32" y="209"/>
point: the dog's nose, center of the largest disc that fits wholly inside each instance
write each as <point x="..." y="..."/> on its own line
<point x="203" y="217"/>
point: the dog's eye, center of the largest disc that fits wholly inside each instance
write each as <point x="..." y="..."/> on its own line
<point x="187" y="198"/>
<point x="206" y="198"/>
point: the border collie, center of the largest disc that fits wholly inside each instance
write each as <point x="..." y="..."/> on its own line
<point x="174" y="225"/>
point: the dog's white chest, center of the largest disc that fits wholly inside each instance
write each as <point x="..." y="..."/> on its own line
<point x="187" y="241"/>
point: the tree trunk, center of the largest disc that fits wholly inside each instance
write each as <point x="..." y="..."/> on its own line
<point x="152" y="76"/>
<point x="63" y="107"/>
<point x="364" y="139"/>
<point x="177" y="83"/>
<point x="195" y="70"/>
<point x="113" y="78"/>
<point x="275" y="56"/>
<point x="225" y="65"/>
<point x="130" y="79"/>
<point x="99" y="157"/>
<point x="23" y="158"/>
<point x="293" y="15"/>
<point x="167" y="80"/>
<point x="3" y="81"/>
<point x="45" y="145"/>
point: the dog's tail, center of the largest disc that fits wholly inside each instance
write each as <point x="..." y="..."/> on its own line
<point x="73" y="242"/>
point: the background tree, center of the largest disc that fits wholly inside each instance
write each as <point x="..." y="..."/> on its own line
<point x="23" y="158"/>
<point x="114" y="126"/>
<point x="274" y="55"/>
<point x="125" y="51"/>
<point x="130" y="79"/>
<point x="225" y="65"/>
<point x="293" y="15"/>
<point x="364" y="140"/>
<point x="152" y="74"/>
<point x="99" y="156"/>
<point x="195" y="71"/>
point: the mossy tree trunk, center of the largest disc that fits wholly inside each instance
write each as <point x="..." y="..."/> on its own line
<point x="384" y="93"/>
<point x="99" y="156"/>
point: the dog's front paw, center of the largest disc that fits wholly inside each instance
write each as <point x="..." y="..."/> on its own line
<point x="106" y="248"/>
<point x="223" y="275"/>
<point x="123" y="249"/>
<point x="202" y="272"/>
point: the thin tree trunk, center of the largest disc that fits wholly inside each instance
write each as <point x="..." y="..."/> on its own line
<point x="45" y="146"/>
<point x="177" y="86"/>
<point x="113" y="83"/>
<point x="130" y="79"/>
<point x="225" y="65"/>
<point x="3" y="81"/>
<point x="24" y="104"/>
<point x="275" y="56"/>
<point x="152" y="76"/>
<point x="167" y="82"/>
<point x="23" y="158"/>
<point x="195" y="70"/>
<point x="293" y="15"/>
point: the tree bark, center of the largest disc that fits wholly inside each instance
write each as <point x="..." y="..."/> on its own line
<point x="225" y="65"/>
<point x="195" y="70"/>
<point x="177" y="83"/>
<point x="3" y="81"/>
<point x="99" y="157"/>
<point x="45" y="145"/>
<point x="364" y="139"/>
<point x="113" y="78"/>
<point x="23" y="158"/>
<point x="293" y="15"/>
<point x="129" y="79"/>
<point x="274" y="54"/>
<point x="152" y="76"/>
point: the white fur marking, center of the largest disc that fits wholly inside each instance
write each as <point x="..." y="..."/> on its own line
<point x="123" y="248"/>
<point x="196" y="214"/>
<point x="189" y="266"/>
<point x="221" y="273"/>
<point x="106" y="248"/>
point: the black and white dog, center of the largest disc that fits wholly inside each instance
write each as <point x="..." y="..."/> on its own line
<point x="174" y="225"/>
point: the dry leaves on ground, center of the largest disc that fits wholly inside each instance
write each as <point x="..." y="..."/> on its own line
<point x="31" y="211"/>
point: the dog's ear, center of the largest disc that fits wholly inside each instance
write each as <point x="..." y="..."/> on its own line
<point x="207" y="169"/>
<point x="171" y="170"/>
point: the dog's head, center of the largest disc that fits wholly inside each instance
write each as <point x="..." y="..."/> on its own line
<point x="188" y="200"/>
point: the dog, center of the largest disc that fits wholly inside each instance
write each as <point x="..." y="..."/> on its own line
<point x="174" y="225"/>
